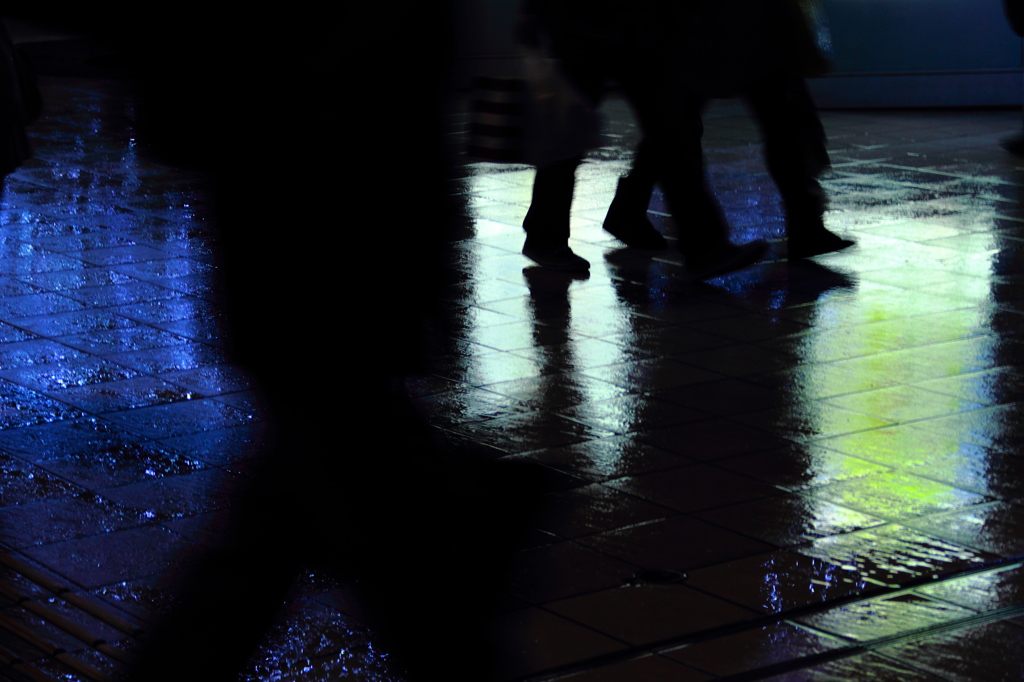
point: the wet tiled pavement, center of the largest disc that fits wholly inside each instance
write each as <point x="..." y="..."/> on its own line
<point x="795" y="472"/>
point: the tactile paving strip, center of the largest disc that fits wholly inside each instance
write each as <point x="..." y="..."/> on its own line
<point x="86" y="616"/>
<point x="805" y="662"/>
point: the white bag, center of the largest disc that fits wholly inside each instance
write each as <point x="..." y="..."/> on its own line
<point x="559" y="122"/>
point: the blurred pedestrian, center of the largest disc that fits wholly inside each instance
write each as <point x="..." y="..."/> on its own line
<point x="329" y="269"/>
<point x="622" y="40"/>
<point x="1015" y="15"/>
<point x="19" y="104"/>
<point x="760" y="50"/>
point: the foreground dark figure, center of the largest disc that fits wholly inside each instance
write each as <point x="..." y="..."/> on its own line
<point x="297" y="129"/>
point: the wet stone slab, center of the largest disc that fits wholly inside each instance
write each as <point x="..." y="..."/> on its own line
<point x="116" y="556"/>
<point x="876" y="618"/>
<point x="104" y="464"/>
<point x="892" y="554"/>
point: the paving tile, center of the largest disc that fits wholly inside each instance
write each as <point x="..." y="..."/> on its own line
<point x="607" y="458"/>
<point x="114" y="557"/>
<point x="222" y="446"/>
<point x="725" y="397"/>
<point x="985" y="591"/>
<point x="112" y="396"/>
<point x="810" y="421"/>
<point x="903" y="403"/>
<point x="46" y="441"/>
<point x="179" y="419"/>
<point x="775" y="582"/>
<point x="561" y="389"/>
<point x="66" y="517"/>
<point x="994" y="528"/>
<point x="562" y="569"/>
<point x="994" y="427"/>
<point x="713" y="439"/>
<point x="70" y="280"/>
<point x="36" y="352"/>
<point x="592" y="509"/>
<point x="25" y="482"/>
<point x="752" y="649"/>
<point x="997" y="385"/>
<point x="884" y="616"/>
<point x="676" y="543"/>
<point x="179" y="355"/>
<point x="631" y="413"/>
<point x="867" y="666"/>
<point x="72" y="373"/>
<point x="892" y="554"/>
<point x="75" y="322"/>
<point x="528" y="431"/>
<point x="36" y="304"/>
<point x="466" y="404"/>
<point x="896" y="495"/>
<point x="532" y="640"/>
<point x="143" y="600"/>
<point x="649" y="613"/>
<point x="111" y="294"/>
<point x="166" y="310"/>
<point x="976" y="653"/>
<point x="175" y="496"/>
<point x="694" y="488"/>
<point x="787" y="520"/>
<point x="650" y="668"/>
<point x="126" y="340"/>
<point x="901" y="446"/>
<point x="800" y="467"/>
<point x="651" y="375"/>
<point x="24" y="407"/>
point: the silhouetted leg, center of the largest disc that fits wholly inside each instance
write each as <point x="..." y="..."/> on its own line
<point x="627" y="216"/>
<point x="794" y="139"/>
<point x="547" y="221"/>
<point x="672" y="153"/>
<point x="795" y="153"/>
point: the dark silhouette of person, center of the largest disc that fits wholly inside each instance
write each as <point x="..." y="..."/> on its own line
<point x="773" y="83"/>
<point x="18" y="106"/>
<point x="332" y="213"/>
<point x="615" y="39"/>
<point x="1015" y="16"/>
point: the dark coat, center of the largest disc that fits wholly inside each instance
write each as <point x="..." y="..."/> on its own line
<point x="1015" y="13"/>
<point x="14" y="110"/>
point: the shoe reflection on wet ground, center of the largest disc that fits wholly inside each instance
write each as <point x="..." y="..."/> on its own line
<point x="799" y="471"/>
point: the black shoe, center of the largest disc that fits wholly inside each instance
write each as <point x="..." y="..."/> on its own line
<point x="816" y="243"/>
<point x="556" y="258"/>
<point x="627" y="221"/>
<point x="725" y="259"/>
<point x="1014" y="145"/>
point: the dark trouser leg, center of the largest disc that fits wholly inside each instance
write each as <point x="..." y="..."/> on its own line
<point x="547" y="221"/>
<point x="627" y="216"/>
<point x="643" y="176"/>
<point x="671" y="153"/>
<point x="795" y="152"/>
<point x="794" y="144"/>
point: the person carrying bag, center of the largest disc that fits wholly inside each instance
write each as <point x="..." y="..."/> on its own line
<point x="537" y="119"/>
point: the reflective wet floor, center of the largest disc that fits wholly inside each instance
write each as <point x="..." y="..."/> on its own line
<point x="796" y="472"/>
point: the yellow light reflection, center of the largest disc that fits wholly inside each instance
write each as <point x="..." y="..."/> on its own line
<point x="889" y="345"/>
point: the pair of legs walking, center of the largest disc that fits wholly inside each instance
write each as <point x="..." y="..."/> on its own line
<point x="672" y="155"/>
<point x="795" y="151"/>
<point x="794" y="143"/>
